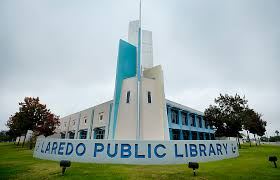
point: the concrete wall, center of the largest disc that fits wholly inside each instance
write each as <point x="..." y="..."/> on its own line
<point x="126" y="121"/>
<point x="147" y="43"/>
<point x="153" y="118"/>
<point x="87" y="120"/>
<point x="155" y="125"/>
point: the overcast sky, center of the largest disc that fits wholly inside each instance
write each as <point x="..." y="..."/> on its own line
<point x="65" y="51"/>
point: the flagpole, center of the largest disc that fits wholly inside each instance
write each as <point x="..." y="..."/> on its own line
<point x="139" y="74"/>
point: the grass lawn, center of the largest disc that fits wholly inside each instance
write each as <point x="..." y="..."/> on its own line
<point x="18" y="163"/>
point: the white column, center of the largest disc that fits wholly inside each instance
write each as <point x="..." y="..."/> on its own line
<point x="67" y="131"/>
<point x="90" y="125"/>
<point x="77" y="127"/>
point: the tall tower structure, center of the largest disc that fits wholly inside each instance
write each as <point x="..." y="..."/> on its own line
<point x="139" y="110"/>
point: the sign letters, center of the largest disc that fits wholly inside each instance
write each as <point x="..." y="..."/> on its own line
<point x="135" y="152"/>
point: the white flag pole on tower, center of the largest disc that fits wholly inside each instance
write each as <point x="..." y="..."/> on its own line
<point x="139" y="75"/>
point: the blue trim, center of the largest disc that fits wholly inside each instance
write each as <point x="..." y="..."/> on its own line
<point x="170" y="134"/>
<point x="169" y="116"/>
<point x="195" y="121"/>
<point x="190" y="135"/>
<point x="204" y="136"/>
<point x="126" y="68"/>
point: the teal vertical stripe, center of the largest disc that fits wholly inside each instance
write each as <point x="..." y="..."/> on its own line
<point x="126" y="67"/>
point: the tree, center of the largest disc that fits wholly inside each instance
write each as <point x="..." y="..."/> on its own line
<point x="15" y="125"/>
<point x="248" y="123"/>
<point x="226" y="115"/>
<point x="261" y="128"/>
<point x="4" y="136"/>
<point x="231" y="114"/>
<point x="277" y="133"/>
<point x="33" y="116"/>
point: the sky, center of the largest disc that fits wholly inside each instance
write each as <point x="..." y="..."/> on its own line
<point x="65" y="52"/>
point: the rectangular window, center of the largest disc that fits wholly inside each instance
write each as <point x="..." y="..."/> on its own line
<point x="201" y="136"/>
<point x="83" y="134"/>
<point x="174" y="117"/>
<point x="206" y="124"/>
<point x="71" y="135"/>
<point x="127" y="96"/>
<point x="192" y="119"/>
<point x="200" y="122"/>
<point x="194" y="135"/>
<point x="101" y="116"/>
<point x="176" y="134"/>
<point x="185" y="135"/>
<point x="85" y="121"/>
<point x="62" y="136"/>
<point x="99" y="133"/>
<point x="184" y="119"/>
<point x="149" y="97"/>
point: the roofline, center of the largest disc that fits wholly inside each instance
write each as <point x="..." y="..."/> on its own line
<point x="184" y="107"/>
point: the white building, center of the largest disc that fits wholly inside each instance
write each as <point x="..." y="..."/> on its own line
<point x="139" y="109"/>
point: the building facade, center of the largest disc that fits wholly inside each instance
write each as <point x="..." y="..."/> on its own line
<point x="139" y="109"/>
<point x="93" y="123"/>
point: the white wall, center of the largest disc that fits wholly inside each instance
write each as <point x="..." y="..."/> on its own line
<point x="147" y="43"/>
<point x="126" y="120"/>
<point x="74" y="119"/>
<point x="153" y="116"/>
<point x="76" y="122"/>
<point x="155" y="121"/>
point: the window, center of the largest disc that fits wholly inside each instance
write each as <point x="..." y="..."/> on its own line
<point x="71" y="135"/>
<point x="194" y="135"/>
<point x="62" y="136"/>
<point x="212" y="136"/>
<point x="175" y="134"/>
<point x="99" y="133"/>
<point x="149" y="97"/>
<point x="206" y="124"/>
<point x="200" y="122"/>
<point x="201" y="136"/>
<point x="192" y="120"/>
<point x="184" y="119"/>
<point x="127" y="96"/>
<point x="101" y="116"/>
<point x="83" y="134"/>
<point x="85" y="121"/>
<point x="207" y="136"/>
<point x="174" y="117"/>
<point x="185" y="135"/>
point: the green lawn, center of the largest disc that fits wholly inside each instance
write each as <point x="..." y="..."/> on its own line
<point x="18" y="163"/>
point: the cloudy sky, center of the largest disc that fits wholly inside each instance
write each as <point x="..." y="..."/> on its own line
<point x="65" y="51"/>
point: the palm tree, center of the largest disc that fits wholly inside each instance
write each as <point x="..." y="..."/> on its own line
<point x="277" y="132"/>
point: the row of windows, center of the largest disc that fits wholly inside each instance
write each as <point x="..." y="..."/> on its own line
<point x="175" y="134"/>
<point x="85" y="119"/>
<point x="98" y="134"/>
<point x="149" y="97"/>
<point x="175" y="119"/>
